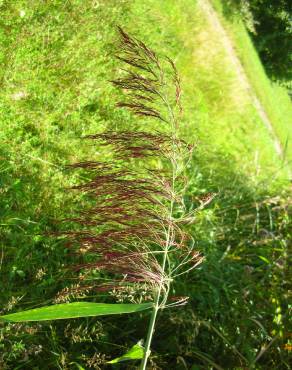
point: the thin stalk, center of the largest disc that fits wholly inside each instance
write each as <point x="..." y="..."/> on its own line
<point x="156" y="307"/>
<point x="151" y="327"/>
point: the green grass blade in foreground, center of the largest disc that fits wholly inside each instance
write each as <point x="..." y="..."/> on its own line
<point x="74" y="310"/>
<point x="134" y="353"/>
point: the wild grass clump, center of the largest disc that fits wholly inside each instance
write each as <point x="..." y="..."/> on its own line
<point x="134" y="230"/>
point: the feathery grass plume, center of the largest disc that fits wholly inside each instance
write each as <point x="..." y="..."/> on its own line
<point x="134" y="231"/>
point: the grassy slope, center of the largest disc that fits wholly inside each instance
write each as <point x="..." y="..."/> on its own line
<point x="56" y="60"/>
<point x="217" y="107"/>
<point x="274" y="98"/>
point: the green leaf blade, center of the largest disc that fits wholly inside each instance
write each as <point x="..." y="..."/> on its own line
<point x="74" y="310"/>
<point x="134" y="353"/>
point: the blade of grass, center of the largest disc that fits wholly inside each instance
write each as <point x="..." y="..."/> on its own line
<point x="134" y="353"/>
<point x="74" y="310"/>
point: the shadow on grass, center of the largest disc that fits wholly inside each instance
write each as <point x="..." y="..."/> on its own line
<point x="238" y="296"/>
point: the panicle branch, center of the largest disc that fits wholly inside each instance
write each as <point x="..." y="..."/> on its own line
<point x="133" y="229"/>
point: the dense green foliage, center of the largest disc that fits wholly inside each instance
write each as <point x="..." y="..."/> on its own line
<point x="56" y="61"/>
<point x="273" y="36"/>
<point x="269" y="23"/>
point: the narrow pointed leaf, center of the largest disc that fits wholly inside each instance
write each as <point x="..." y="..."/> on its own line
<point x="74" y="310"/>
<point x="135" y="353"/>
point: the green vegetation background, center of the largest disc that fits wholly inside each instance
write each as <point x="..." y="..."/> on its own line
<point x="57" y="58"/>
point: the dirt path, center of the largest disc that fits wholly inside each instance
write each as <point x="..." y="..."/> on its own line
<point x="227" y="43"/>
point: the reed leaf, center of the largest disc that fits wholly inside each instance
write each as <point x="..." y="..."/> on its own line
<point x="134" y="353"/>
<point x="74" y="310"/>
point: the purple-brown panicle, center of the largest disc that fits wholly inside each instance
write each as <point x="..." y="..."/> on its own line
<point x="131" y="223"/>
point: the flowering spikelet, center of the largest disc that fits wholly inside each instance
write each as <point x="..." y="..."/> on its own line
<point x="133" y="230"/>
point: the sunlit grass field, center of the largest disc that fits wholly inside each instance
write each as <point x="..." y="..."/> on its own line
<point x="57" y="59"/>
<point x="274" y="97"/>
